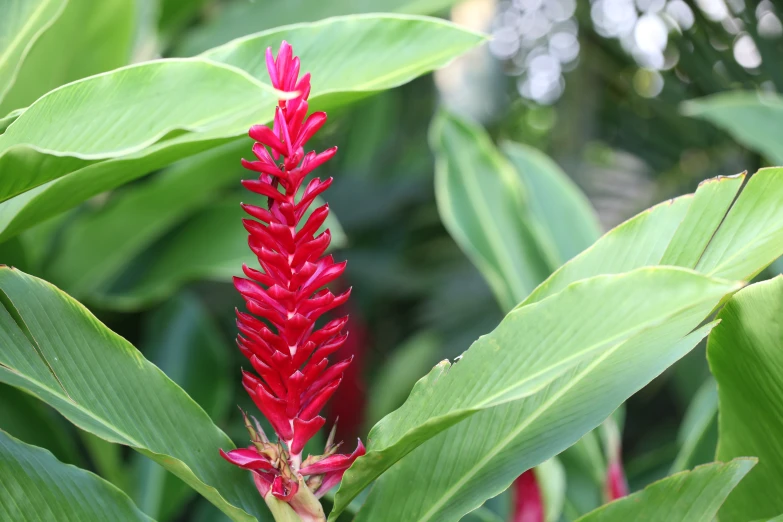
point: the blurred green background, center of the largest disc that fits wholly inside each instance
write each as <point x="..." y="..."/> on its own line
<point x="600" y="86"/>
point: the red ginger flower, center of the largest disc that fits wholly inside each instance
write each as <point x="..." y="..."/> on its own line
<point x="278" y="336"/>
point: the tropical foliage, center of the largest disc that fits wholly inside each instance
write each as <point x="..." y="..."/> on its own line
<point x="498" y="338"/>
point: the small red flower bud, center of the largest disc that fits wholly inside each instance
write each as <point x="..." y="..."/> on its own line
<point x="616" y="484"/>
<point x="528" y="501"/>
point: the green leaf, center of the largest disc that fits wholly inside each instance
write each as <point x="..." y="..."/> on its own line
<point x="710" y="203"/>
<point x="743" y="243"/>
<point x="185" y="256"/>
<point x="752" y="118"/>
<point x="82" y="123"/>
<point x="397" y="375"/>
<point x="98" y="35"/>
<point x="207" y="101"/>
<point x="482" y="514"/>
<point x="394" y="49"/>
<point x="240" y="18"/>
<point x="148" y="239"/>
<point x="24" y="417"/>
<point x="21" y="23"/>
<point x="56" y="350"/>
<point x="108" y="460"/>
<point x="751" y="235"/>
<point x="566" y="216"/>
<point x="755" y="222"/>
<point x="746" y="357"/>
<point x="551" y="478"/>
<point x="589" y="320"/>
<point x="36" y="486"/>
<point x="481" y="201"/>
<point x="689" y="496"/>
<point x="553" y="220"/>
<point x="456" y="471"/>
<point x="182" y="340"/>
<point x="9" y="119"/>
<point x="101" y="242"/>
<point x="586" y="458"/>
<point x="699" y="428"/>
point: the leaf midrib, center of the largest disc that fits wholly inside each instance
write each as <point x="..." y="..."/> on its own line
<point x="130" y="440"/>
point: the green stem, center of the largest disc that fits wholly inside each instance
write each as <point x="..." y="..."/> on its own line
<point x="281" y="511"/>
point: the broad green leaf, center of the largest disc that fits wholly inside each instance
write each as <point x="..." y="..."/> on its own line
<point x="9" y="119"/>
<point x="746" y="357"/>
<point x="100" y="242"/>
<point x="569" y="222"/>
<point x="481" y="201"/>
<point x="698" y="432"/>
<point x="748" y="239"/>
<point x="83" y="123"/>
<point x="21" y="23"/>
<point x="751" y="235"/>
<point x="641" y="241"/>
<point x="86" y="38"/>
<point x="240" y="18"/>
<point x="688" y="496"/>
<point x="532" y="346"/>
<point x="26" y="418"/>
<point x="182" y="340"/>
<point x="710" y="203"/>
<point x="37" y="487"/>
<point x="53" y="348"/>
<point x="399" y="48"/>
<point x="456" y="471"/>
<point x="105" y="253"/>
<point x="210" y="246"/>
<point x="752" y="118"/>
<point x="351" y="56"/>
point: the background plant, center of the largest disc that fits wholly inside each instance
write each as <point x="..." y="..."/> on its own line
<point x="126" y="200"/>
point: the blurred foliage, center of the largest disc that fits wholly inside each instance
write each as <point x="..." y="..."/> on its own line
<point x="620" y="129"/>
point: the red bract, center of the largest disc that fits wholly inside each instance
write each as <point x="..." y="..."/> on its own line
<point x="616" y="484"/>
<point x="293" y="378"/>
<point x="528" y="502"/>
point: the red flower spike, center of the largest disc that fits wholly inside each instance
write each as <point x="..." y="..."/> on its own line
<point x="293" y="378"/>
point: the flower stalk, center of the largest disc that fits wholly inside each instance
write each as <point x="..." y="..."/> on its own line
<point x="293" y="378"/>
